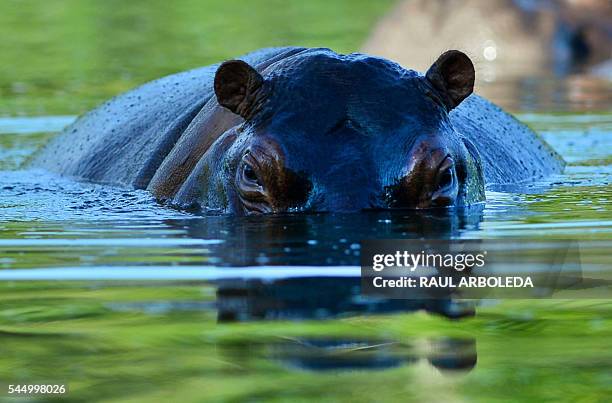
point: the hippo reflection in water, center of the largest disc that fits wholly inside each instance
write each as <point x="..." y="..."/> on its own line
<point x="295" y="129"/>
<point x="331" y="297"/>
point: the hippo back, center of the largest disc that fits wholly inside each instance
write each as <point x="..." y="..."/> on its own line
<point x="509" y="150"/>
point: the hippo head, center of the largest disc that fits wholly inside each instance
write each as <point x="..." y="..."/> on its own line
<point x="329" y="132"/>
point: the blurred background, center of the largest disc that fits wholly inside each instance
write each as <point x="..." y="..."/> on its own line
<point x="65" y="56"/>
<point x="553" y="54"/>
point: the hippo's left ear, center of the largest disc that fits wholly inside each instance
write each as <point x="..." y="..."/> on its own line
<point x="236" y="85"/>
<point x="453" y="76"/>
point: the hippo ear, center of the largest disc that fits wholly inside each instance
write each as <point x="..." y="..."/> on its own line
<point x="236" y="84"/>
<point x="453" y="76"/>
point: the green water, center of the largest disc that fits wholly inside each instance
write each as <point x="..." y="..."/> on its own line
<point x="532" y="351"/>
<point x="278" y="337"/>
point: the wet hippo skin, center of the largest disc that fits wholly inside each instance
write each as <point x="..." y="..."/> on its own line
<point x="297" y="129"/>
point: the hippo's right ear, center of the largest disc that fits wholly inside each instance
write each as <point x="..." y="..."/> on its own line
<point x="236" y="85"/>
<point x="452" y="75"/>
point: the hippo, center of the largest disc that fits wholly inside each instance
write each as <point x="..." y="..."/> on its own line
<point x="304" y="130"/>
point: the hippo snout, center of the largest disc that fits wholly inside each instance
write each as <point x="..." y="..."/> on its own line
<point x="266" y="183"/>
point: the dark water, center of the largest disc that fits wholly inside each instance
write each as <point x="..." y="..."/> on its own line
<point x="129" y="300"/>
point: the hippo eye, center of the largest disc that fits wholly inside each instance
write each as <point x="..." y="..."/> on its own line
<point x="249" y="173"/>
<point x="445" y="176"/>
<point x="249" y="185"/>
<point x="247" y="177"/>
<point x="446" y="179"/>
